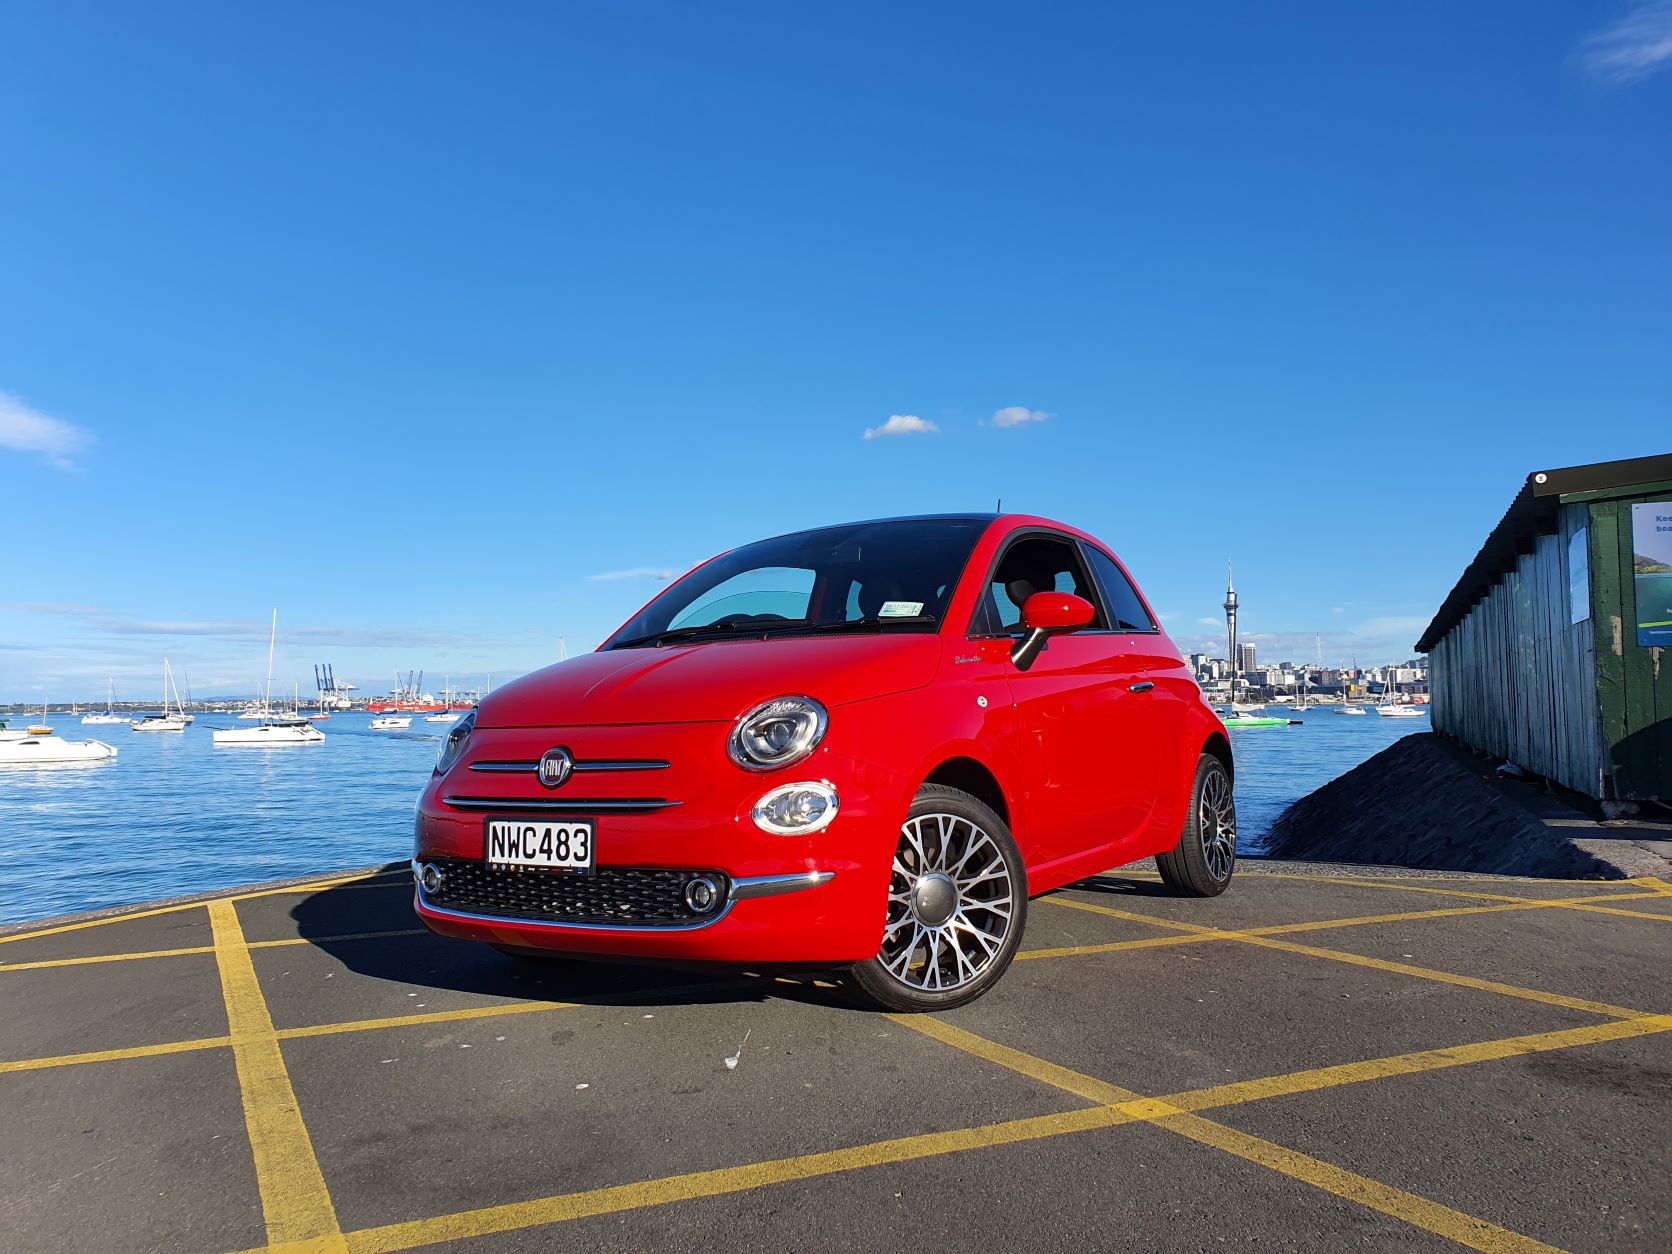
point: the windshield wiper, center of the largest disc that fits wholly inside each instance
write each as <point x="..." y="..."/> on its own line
<point x="863" y="624"/>
<point x="720" y="626"/>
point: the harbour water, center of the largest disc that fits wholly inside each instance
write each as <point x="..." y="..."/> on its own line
<point x="172" y="814"/>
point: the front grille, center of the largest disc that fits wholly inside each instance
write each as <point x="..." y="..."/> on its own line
<point x="626" y="897"/>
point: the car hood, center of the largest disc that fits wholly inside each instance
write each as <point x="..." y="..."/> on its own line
<point x="710" y="682"/>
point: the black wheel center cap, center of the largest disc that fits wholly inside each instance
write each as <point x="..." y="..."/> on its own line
<point x="934" y="900"/>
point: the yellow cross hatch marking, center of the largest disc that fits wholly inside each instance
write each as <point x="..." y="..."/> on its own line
<point x="343" y="882"/>
<point x="1419" y="1212"/>
<point x="1335" y="955"/>
<point x="115" y="1055"/>
<point x="294" y="1200"/>
<point x="1409" y="1208"/>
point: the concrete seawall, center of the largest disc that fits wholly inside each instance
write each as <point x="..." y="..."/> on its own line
<point x="1423" y="802"/>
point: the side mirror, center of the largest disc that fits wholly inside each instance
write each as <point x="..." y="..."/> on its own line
<point x="1047" y="614"/>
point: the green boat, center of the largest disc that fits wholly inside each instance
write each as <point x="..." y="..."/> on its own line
<point x="1250" y="720"/>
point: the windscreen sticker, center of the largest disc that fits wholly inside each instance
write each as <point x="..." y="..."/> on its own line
<point x="900" y="609"/>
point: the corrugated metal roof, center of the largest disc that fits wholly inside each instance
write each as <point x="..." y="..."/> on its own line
<point x="1531" y="513"/>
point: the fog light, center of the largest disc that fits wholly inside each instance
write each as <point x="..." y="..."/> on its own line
<point x="796" y="809"/>
<point x="429" y="875"/>
<point x="702" y="894"/>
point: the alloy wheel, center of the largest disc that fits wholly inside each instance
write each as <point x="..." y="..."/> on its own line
<point x="950" y="904"/>
<point x="1216" y="820"/>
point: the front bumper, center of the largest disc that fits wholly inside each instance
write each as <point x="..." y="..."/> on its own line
<point x="813" y="900"/>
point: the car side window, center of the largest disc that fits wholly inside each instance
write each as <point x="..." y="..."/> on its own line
<point x="1036" y="563"/>
<point x="1126" y="611"/>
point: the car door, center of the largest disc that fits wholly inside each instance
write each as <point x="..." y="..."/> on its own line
<point x="1082" y="709"/>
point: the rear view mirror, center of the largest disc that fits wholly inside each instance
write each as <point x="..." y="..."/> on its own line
<point x="1047" y="614"/>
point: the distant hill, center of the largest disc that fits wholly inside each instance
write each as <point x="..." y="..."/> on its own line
<point x="1649" y="566"/>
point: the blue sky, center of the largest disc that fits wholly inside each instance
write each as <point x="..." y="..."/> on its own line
<point x="425" y="323"/>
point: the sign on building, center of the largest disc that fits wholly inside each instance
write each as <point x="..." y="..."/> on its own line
<point x="1651" y="564"/>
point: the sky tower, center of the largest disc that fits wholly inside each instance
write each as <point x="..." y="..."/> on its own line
<point x="1231" y="629"/>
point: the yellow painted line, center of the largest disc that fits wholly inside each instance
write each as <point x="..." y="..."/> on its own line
<point x="132" y="915"/>
<point x="1570" y="903"/>
<point x="724" y="1180"/>
<point x="1241" y="1091"/>
<point x="1408" y="1208"/>
<point x="1628" y="914"/>
<point x="1108" y="947"/>
<point x="116" y="1055"/>
<point x="115" y="918"/>
<point x="1160" y="1112"/>
<point x="1131" y="1108"/>
<point x="437" y="1016"/>
<point x="1093" y="1090"/>
<point x="340" y="937"/>
<point x="95" y="959"/>
<point x="1359" y="960"/>
<point x="101" y="958"/>
<point x="294" y="1200"/>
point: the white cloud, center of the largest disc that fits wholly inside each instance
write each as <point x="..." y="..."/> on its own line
<point x="902" y="424"/>
<point x="25" y="430"/>
<point x="637" y="572"/>
<point x="1634" y="47"/>
<point x="1017" y="415"/>
<point x="1208" y="622"/>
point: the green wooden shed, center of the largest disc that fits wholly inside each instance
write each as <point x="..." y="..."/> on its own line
<point x="1554" y="650"/>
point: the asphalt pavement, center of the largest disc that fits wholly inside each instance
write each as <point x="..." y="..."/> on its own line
<point x="1321" y="1059"/>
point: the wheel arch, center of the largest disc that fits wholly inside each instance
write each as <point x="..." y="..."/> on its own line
<point x="1220" y="747"/>
<point x="972" y="776"/>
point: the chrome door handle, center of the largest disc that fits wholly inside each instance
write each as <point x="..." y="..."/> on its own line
<point x="1143" y="687"/>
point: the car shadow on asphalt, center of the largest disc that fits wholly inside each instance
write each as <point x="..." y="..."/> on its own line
<point x="1119" y="886"/>
<point x="375" y="933"/>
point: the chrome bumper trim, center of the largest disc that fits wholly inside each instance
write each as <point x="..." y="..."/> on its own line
<point x="777" y="885"/>
<point x="566" y="805"/>
<point x="579" y="768"/>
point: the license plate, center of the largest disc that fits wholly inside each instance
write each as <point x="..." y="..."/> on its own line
<point x="517" y="843"/>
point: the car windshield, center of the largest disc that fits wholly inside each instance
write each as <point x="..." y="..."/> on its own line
<point x="893" y="576"/>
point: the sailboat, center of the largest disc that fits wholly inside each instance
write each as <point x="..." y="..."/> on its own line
<point x="110" y="715"/>
<point x="271" y="730"/>
<point x="167" y="721"/>
<point x="1391" y="707"/>
<point x="1305" y="677"/>
<point x="40" y="728"/>
<point x="445" y="714"/>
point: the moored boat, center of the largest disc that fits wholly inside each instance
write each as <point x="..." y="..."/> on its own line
<point x="391" y="722"/>
<point x="51" y="750"/>
<point x="303" y="733"/>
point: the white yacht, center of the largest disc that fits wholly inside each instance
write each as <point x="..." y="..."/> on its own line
<point x="303" y="733"/>
<point x="447" y="715"/>
<point x="274" y="729"/>
<point x="50" y="750"/>
<point x="110" y="715"/>
<point x="171" y="719"/>
<point x="391" y="722"/>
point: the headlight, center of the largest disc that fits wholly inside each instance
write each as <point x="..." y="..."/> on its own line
<point x="452" y="744"/>
<point x="796" y="809"/>
<point x="776" y="733"/>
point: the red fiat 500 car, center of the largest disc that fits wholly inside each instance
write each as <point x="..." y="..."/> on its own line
<point x="862" y="746"/>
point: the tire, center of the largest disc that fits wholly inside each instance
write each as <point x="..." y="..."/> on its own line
<point x="957" y="906"/>
<point x="1200" y="865"/>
